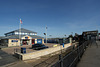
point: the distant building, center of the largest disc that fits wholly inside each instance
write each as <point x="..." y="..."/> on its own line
<point x="99" y="36"/>
<point x="89" y="35"/>
<point x="16" y="38"/>
<point x="57" y="40"/>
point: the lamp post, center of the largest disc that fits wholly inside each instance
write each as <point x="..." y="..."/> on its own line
<point x="46" y="34"/>
<point x="65" y="38"/>
<point x="72" y="33"/>
<point x="50" y="35"/>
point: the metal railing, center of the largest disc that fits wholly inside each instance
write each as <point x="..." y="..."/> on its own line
<point x="71" y="59"/>
<point x="17" y="50"/>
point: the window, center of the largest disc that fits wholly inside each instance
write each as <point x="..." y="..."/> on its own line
<point x="6" y="41"/>
<point x="32" y="34"/>
<point x="16" y="32"/>
<point x="25" y="33"/>
<point x="22" y="33"/>
<point x="19" y="33"/>
<point x="35" y="34"/>
<point x="13" y="33"/>
<point x="28" y="33"/>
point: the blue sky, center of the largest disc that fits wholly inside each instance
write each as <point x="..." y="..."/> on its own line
<point x="60" y="16"/>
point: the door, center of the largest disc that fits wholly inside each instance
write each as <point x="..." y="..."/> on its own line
<point x="25" y="42"/>
<point x="33" y="41"/>
<point x="39" y="41"/>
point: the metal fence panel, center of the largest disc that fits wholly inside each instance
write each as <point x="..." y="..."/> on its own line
<point x="72" y="58"/>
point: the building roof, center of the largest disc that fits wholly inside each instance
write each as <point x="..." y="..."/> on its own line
<point x="22" y="30"/>
<point x="17" y="37"/>
<point x="95" y="32"/>
<point x="91" y="31"/>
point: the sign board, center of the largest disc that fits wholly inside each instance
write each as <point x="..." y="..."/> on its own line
<point x="14" y="41"/>
<point x="39" y="41"/>
<point x="26" y="37"/>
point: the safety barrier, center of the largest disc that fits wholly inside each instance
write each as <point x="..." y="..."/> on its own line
<point x="71" y="59"/>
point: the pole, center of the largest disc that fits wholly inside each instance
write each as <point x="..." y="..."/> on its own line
<point x="20" y="31"/>
<point x="46" y="35"/>
<point x="65" y="39"/>
<point x="60" y="57"/>
<point x="72" y="33"/>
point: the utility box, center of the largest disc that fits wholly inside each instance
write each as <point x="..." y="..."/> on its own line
<point x="23" y="50"/>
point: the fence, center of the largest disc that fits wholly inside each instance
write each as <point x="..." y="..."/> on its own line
<point x="71" y="59"/>
<point x="17" y="50"/>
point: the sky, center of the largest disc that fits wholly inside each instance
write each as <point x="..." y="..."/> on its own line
<point x="62" y="17"/>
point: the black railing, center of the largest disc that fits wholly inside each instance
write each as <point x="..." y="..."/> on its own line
<point x="17" y="50"/>
<point x="71" y="59"/>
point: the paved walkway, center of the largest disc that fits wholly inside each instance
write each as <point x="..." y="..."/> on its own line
<point x="91" y="57"/>
<point x="10" y="50"/>
<point x="18" y="64"/>
<point x="6" y="58"/>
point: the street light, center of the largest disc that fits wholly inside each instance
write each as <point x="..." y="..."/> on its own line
<point x="72" y="33"/>
<point x="46" y="34"/>
<point x="64" y="38"/>
<point x="50" y="35"/>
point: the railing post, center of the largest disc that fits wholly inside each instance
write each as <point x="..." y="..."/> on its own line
<point x="60" y="58"/>
<point x="78" y="53"/>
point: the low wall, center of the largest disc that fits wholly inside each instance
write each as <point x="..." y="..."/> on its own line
<point x="42" y="52"/>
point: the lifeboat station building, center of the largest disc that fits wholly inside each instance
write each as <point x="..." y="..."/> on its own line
<point x="16" y="38"/>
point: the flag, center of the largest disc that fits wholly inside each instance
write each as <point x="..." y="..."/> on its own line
<point x="20" y="21"/>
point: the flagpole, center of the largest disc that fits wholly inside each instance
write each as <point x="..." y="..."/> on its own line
<point x="20" y="31"/>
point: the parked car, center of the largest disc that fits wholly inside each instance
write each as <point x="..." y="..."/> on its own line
<point x="39" y="46"/>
